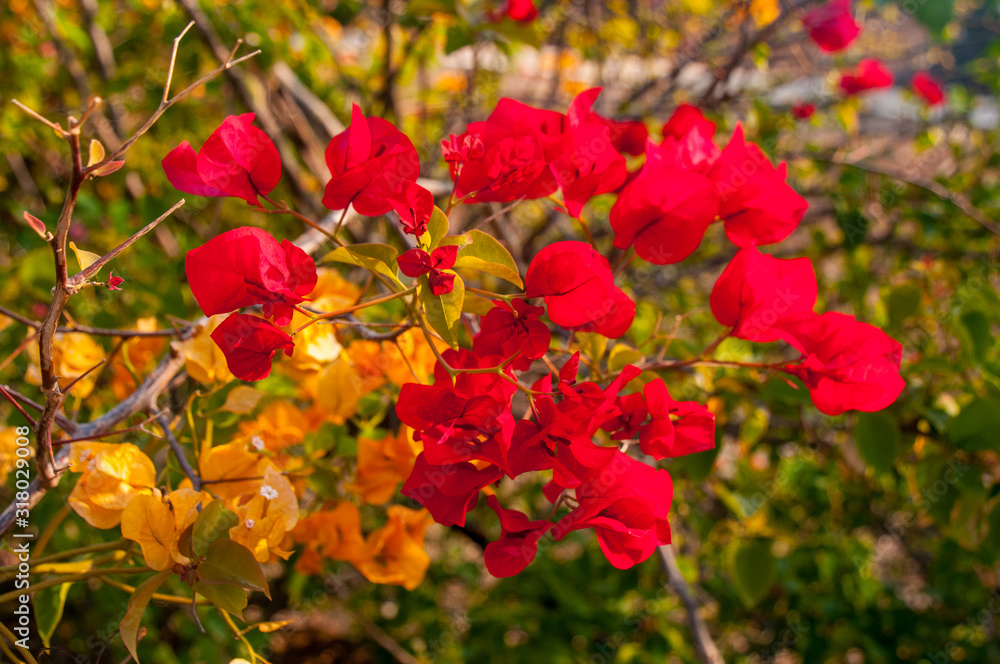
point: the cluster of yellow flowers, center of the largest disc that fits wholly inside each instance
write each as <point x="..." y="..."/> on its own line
<point x="260" y="474"/>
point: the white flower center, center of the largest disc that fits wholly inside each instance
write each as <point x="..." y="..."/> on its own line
<point x="268" y="492"/>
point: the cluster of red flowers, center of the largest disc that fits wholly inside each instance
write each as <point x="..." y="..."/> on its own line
<point x="471" y="440"/>
<point x="833" y="28"/>
<point x="464" y="420"/>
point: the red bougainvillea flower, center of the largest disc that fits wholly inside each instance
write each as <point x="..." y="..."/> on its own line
<point x="847" y="364"/>
<point x="868" y="75"/>
<point x="417" y="262"/>
<point x="588" y="163"/>
<point x="413" y="204"/>
<point x="513" y="328"/>
<point x="450" y="491"/>
<point x="756" y="291"/>
<point x="246" y="266"/>
<point x="114" y="283"/>
<point x="578" y="287"/>
<point x="666" y="209"/>
<point x="687" y="119"/>
<point x="832" y="26"/>
<point x="928" y="88"/>
<point x="506" y="157"/>
<point x="803" y="111"/>
<point x="522" y="10"/>
<point x="626" y="502"/>
<point x="249" y="344"/>
<point x="518" y="543"/>
<point x="676" y="428"/>
<point x="237" y="160"/>
<point x="368" y="161"/>
<point x="757" y="205"/>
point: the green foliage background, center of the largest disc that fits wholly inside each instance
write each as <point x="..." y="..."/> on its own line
<point x="871" y="538"/>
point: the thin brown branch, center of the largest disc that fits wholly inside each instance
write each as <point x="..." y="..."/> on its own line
<point x="108" y="434"/>
<point x="707" y="651"/>
<point x="76" y="380"/>
<point x="18" y="407"/>
<point x="86" y="329"/>
<point x="178" y="451"/>
<point x="82" y="276"/>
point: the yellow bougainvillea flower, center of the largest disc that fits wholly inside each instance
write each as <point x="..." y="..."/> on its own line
<point x="203" y="359"/>
<point x="266" y="517"/>
<point x="141" y="354"/>
<point x="231" y="471"/>
<point x="156" y="522"/>
<point x="8" y="452"/>
<point x="113" y="475"/>
<point x="370" y="364"/>
<point x="396" y="550"/>
<point x="411" y="354"/>
<point x="383" y="465"/>
<point x="334" y="534"/>
<point x="281" y="425"/>
<point x="332" y="291"/>
<point x="73" y="353"/>
<point x="764" y="12"/>
<point x="339" y="390"/>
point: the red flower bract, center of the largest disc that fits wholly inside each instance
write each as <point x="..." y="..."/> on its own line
<point x="588" y="162"/>
<point x="246" y="266"/>
<point x="664" y="211"/>
<point x="847" y="364"/>
<point x="928" y="88"/>
<point x="832" y="26"/>
<point x="512" y="328"/>
<point x="869" y="75"/>
<point x="249" y="344"/>
<point x="522" y="10"/>
<point x="518" y="541"/>
<point x="369" y="161"/>
<point x="506" y="157"/>
<point x="758" y="206"/>
<point x="417" y="262"/>
<point x="803" y="111"/>
<point x="578" y="288"/>
<point x="755" y="291"/>
<point x="237" y="160"/>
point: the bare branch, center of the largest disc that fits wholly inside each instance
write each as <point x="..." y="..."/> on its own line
<point x="178" y="451"/>
<point x="82" y="276"/>
<point x="707" y="651"/>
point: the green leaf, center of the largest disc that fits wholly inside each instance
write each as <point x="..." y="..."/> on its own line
<point x="230" y="563"/>
<point x="379" y="258"/>
<point x="486" y="254"/>
<point x="457" y="36"/>
<point x="902" y="303"/>
<point x="229" y="598"/>
<point x="437" y="229"/>
<point x="855" y="227"/>
<point x="49" y="604"/>
<point x="137" y="603"/>
<point x="877" y="438"/>
<point x="444" y="312"/>
<point x="934" y="14"/>
<point x="621" y="355"/>
<point x="753" y="570"/>
<point x="976" y="427"/>
<point x="212" y="523"/>
<point x="980" y="338"/>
